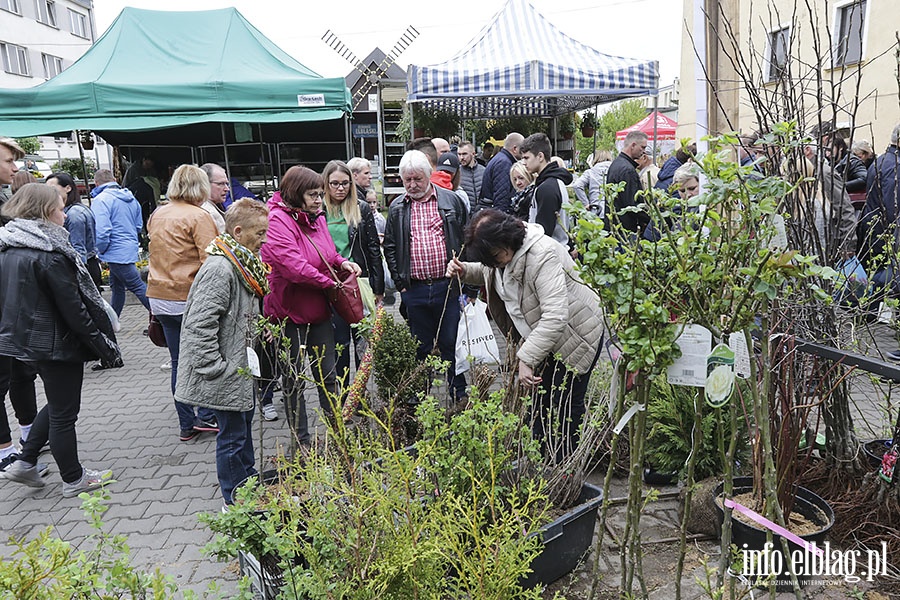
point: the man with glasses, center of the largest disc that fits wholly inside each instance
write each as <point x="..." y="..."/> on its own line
<point x="218" y="192"/>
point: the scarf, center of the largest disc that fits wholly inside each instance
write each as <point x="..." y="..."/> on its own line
<point x="249" y="267"/>
<point x="48" y="237"/>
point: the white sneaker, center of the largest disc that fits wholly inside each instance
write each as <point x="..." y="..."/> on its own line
<point x="269" y="413"/>
<point x="90" y="480"/>
<point x="166" y="366"/>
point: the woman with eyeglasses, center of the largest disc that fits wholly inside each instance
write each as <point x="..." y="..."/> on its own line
<point x="352" y="227"/>
<point x="299" y="249"/>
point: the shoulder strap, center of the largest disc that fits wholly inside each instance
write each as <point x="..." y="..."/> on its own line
<point x="319" y="252"/>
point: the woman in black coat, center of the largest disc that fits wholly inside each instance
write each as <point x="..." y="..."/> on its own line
<point x="52" y="316"/>
<point x="352" y="227"/>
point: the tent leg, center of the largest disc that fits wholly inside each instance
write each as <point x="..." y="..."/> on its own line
<point x="655" y="123"/>
<point x="227" y="162"/>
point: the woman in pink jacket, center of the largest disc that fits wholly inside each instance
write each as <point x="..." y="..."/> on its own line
<point x="297" y="248"/>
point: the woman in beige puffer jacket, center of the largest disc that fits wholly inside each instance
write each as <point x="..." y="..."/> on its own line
<point x="536" y="297"/>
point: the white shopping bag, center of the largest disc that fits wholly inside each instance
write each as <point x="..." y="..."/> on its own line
<point x="475" y="343"/>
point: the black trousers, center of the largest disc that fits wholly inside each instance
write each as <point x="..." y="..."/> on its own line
<point x="17" y="378"/>
<point x="56" y="421"/>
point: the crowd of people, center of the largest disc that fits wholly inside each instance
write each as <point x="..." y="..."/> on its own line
<point x="461" y="228"/>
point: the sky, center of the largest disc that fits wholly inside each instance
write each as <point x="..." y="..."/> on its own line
<point x="648" y="29"/>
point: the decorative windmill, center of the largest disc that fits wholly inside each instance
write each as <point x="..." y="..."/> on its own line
<point x="373" y="76"/>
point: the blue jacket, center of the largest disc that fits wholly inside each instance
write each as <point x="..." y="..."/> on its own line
<point x="81" y="227"/>
<point x="882" y="203"/>
<point x="667" y="174"/>
<point x="496" y="184"/>
<point x="119" y="220"/>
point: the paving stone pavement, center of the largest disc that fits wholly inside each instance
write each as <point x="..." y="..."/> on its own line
<point x="128" y="424"/>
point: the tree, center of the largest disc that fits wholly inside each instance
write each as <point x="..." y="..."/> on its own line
<point x="72" y="166"/>
<point x="31" y="145"/>
<point x="622" y="115"/>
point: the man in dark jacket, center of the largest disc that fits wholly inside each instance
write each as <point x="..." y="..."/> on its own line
<point x="880" y="216"/>
<point x="550" y="187"/>
<point x="424" y="231"/>
<point x="624" y="170"/>
<point x="471" y="173"/>
<point x="496" y="186"/>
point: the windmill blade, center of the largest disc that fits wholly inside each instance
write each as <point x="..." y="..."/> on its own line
<point x="333" y="42"/>
<point x="408" y="37"/>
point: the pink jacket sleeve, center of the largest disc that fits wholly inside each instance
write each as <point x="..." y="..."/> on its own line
<point x="283" y="252"/>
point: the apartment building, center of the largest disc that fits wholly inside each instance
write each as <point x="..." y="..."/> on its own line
<point x="38" y="40"/>
<point x="837" y="57"/>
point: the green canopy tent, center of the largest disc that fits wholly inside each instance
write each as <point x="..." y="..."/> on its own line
<point x="176" y="79"/>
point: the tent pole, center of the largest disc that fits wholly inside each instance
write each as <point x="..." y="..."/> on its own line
<point x="262" y="157"/>
<point x="412" y="122"/>
<point x="348" y="150"/>
<point x="596" y="130"/>
<point x="83" y="166"/>
<point x="655" y="122"/>
<point x="227" y="163"/>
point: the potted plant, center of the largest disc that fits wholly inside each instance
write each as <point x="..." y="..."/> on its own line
<point x="588" y="124"/>
<point x="465" y="507"/>
<point x="86" y="139"/>
<point x="708" y="268"/>
<point x="566" y="125"/>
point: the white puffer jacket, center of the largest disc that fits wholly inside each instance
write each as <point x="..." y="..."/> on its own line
<point x="563" y="313"/>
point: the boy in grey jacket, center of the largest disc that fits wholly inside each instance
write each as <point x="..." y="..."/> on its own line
<point x="223" y="303"/>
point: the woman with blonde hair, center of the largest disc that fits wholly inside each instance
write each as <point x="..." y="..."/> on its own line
<point x="352" y="227"/>
<point x="51" y="316"/>
<point x="523" y="182"/>
<point x="588" y="186"/>
<point x="179" y="233"/>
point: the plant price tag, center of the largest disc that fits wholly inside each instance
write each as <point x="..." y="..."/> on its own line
<point x="719" y="376"/>
<point x="253" y="362"/>
<point x="694" y="341"/>
<point x="738" y="343"/>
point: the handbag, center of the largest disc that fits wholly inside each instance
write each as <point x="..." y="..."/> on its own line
<point x="155" y="332"/>
<point x="345" y="298"/>
<point x="475" y="342"/>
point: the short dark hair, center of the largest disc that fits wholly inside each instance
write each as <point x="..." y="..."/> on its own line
<point x="64" y="180"/>
<point x="296" y="182"/>
<point x="490" y="231"/>
<point x="686" y="153"/>
<point x="426" y="146"/>
<point x="537" y="143"/>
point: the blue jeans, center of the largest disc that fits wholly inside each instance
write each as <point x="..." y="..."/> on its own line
<point x="122" y="277"/>
<point x="427" y="306"/>
<point x="234" y="450"/>
<point x="171" y="325"/>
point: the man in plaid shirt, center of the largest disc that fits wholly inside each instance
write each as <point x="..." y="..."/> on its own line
<point x="424" y="231"/>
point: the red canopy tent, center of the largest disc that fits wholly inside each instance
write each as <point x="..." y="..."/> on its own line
<point x="664" y="134"/>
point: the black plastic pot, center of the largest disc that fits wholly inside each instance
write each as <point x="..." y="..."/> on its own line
<point x="566" y="539"/>
<point x="748" y="537"/>
<point x="874" y="450"/>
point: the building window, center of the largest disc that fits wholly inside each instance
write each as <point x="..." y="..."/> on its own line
<point x="52" y="65"/>
<point x="15" y="59"/>
<point x="851" y="28"/>
<point x="11" y="6"/>
<point x="46" y="12"/>
<point x="778" y="52"/>
<point x="77" y="23"/>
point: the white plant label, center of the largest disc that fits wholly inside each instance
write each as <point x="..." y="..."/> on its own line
<point x="719" y="376"/>
<point x="779" y="240"/>
<point x="695" y="342"/>
<point x="253" y="362"/>
<point x="738" y="344"/>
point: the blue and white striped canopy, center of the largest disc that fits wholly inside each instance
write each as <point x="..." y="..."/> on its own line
<point x="522" y="65"/>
